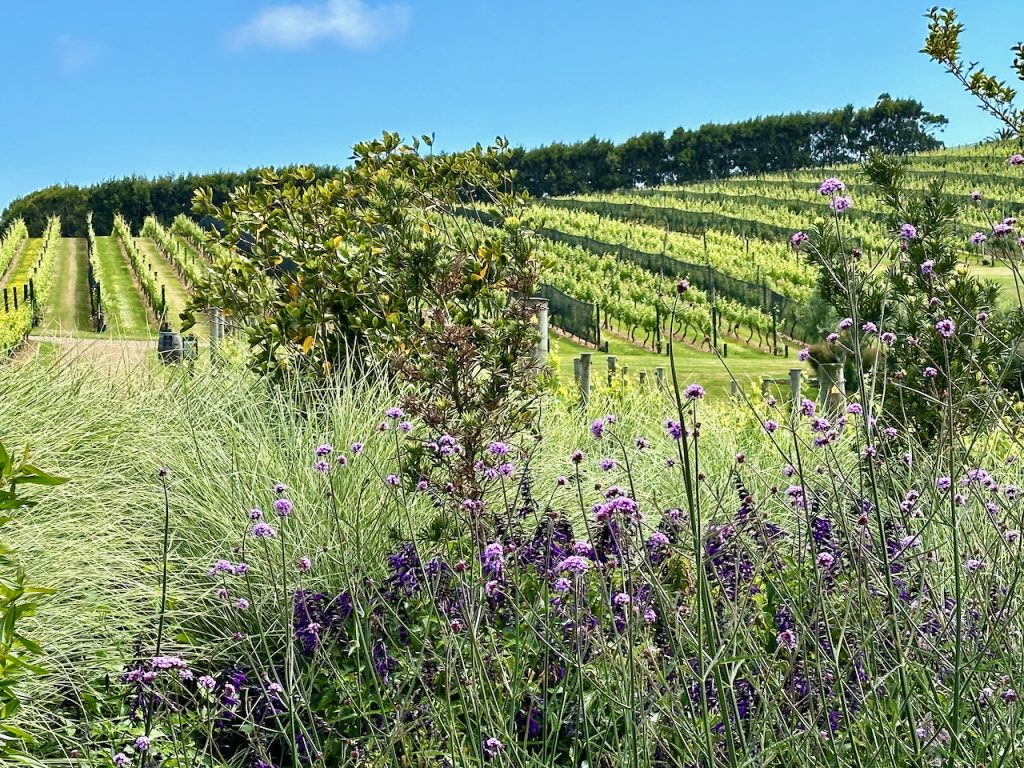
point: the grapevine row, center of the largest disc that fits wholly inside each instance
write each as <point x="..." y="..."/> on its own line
<point x="95" y="278"/>
<point x="10" y="245"/>
<point x="146" y="277"/>
<point x="184" y="262"/>
<point x="35" y="271"/>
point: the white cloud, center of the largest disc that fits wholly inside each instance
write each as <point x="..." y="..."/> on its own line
<point x="349" y="22"/>
<point x="74" y="54"/>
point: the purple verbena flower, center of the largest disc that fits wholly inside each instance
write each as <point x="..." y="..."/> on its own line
<point x="908" y="232"/>
<point x="786" y="639"/>
<point x="978" y="238"/>
<point x="263" y="531"/>
<point x="493" y="747"/>
<point x="841" y="203"/>
<point x="574" y="564"/>
<point x="831" y="186"/>
<point x="674" y="429"/>
<point x="694" y="392"/>
<point x="946" y="328"/>
<point x="798" y="239"/>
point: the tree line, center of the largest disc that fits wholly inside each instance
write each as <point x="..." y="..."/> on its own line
<point x="713" y="151"/>
<point x="134" y="197"/>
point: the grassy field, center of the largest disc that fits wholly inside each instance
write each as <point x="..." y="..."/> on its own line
<point x="68" y="308"/>
<point x="1003" y="276"/>
<point x="692" y="366"/>
<point x="126" y="314"/>
<point x="21" y="267"/>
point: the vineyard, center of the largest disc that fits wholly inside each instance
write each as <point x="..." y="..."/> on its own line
<point x="624" y="251"/>
<point x="611" y="263"/>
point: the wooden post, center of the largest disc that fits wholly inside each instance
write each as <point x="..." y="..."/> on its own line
<point x="642" y="378"/>
<point x="794" y="386"/>
<point x="612" y="359"/>
<point x="725" y="349"/>
<point x="826" y="380"/>
<point x="585" y="376"/>
<point x="625" y="372"/>
<point x="734" y="388"/>
<point x="541" y="352"/>
<point x="659" y="375"/>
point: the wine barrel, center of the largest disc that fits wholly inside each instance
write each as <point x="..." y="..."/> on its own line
<point x="169" y="347"/>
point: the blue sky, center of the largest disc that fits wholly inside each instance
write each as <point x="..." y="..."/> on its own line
<point x="99" y="90"/>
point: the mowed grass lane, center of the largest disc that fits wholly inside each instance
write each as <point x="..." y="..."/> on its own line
<point x="125" y="312"/>
<point x="693" y="366"/>
<point x="21" y="267"/>
<point x="176" y="292"/>
<point x="67" y="309"/>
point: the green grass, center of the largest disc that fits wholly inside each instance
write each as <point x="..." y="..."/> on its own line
<point x="1003" y="277"/>
<point x="692" y="366"/>
<point x="68" y="307"/>
<point x="22" y="264"/>
<point x="122" y="302"/>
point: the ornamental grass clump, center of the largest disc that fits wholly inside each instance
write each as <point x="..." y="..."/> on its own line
<point x="835" y="592"/>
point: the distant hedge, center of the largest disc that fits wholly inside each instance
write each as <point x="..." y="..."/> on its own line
<point x="717" y="151"/>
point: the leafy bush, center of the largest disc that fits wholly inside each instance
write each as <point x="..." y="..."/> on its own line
<point x="17" y="600"/>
